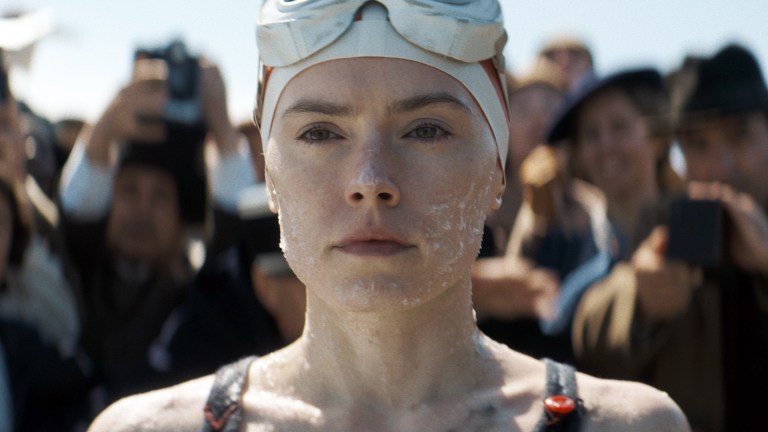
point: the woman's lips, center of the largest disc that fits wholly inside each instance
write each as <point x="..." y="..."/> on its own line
<point x="373" y="247"/>
<point x="372" y="243"/>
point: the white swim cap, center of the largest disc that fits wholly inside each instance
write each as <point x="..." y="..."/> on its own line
<point x="463" y="38"/>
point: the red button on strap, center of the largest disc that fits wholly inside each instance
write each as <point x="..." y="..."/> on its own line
<point x="559" y="405"/>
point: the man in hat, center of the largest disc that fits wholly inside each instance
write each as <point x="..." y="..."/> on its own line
<point x="133" y="194"/>
<point x="704" y="343"/>
<point x="573" y="57"/>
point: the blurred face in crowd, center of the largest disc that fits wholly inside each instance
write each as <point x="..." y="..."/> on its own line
<point x="613" y="145"/>
<point x="144" y="223"/>
<point x="381" y="184"/>
<point x="6" y="233"/>
<point x="573" y="62"/>
<point x="732" y="150"/>
<point x="531" y="110"/>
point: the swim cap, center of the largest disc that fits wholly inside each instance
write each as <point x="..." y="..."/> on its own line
<point x="459" y="37"/>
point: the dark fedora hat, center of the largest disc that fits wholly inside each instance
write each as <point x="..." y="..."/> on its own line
<point x="564" y="124"/>
<point x="730" y="82"/>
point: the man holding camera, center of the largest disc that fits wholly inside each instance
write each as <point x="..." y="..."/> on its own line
<point x="134" y="194"/>
<point x="699" y="329"/>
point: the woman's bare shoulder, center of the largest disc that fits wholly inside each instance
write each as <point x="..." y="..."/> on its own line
<point x="628" y="406"/>
<point x="176" y="408"/>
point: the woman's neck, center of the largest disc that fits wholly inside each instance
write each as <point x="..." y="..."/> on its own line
<point x="394" y="359"/>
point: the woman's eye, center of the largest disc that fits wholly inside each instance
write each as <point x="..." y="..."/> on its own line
<point x="427" y="132"/>
<point x="317" y="134"/>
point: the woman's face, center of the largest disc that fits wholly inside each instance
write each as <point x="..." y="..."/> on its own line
<point x="531" y="110"/>
<point x="613" y="145"/>
<point x="381" y="171"/>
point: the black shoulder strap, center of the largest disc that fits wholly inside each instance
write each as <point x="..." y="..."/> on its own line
<point x="562" y="407"/>
<point x="222" y="409"/>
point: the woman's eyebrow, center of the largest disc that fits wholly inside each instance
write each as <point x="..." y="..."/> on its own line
<point x="413" y="103"/>
<point x="305" y="106"/>
<point x="423" y="100"/>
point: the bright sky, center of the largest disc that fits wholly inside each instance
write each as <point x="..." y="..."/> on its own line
<point x="76" y="71"/>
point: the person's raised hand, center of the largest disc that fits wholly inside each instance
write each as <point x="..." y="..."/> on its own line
<point x="135" y="113"/>
<point x="505" y="288"/>
<point x="664" y="287"/>
<point x="214" y="107"/>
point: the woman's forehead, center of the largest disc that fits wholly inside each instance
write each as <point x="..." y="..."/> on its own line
<point x="608" y="98"/>
<point x="381" y="78"/>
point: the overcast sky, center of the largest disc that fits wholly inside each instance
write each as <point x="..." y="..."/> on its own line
<point x="76" y="71"/>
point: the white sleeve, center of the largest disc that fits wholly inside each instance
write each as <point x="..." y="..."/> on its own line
<point x="85" y="189"/>
<point x="232" y="174"/>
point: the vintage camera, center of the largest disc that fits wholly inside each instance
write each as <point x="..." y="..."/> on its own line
<point x="181" y="153"/>
<point x="698" y="232"/>
<point x="184" y="99"/>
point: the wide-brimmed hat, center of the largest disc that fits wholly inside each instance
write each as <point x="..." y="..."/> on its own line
<point x="20" y="32"/>
<point x="564" y="125"/>
<point x="729" y="82"/>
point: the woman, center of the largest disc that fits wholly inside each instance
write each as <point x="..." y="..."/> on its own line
<point x="382" y="157"/>
<point x="542" y="227"/>
<point x="620" y="135"/>
<point x="620" y="140"/>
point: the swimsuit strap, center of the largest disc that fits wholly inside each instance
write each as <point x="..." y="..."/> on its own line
<point x="222" y="409"/>
<point x="563" y="409"/>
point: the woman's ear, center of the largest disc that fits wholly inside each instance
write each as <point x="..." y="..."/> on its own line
<point x="498" y="187"/>
<point x="271" y="193"/>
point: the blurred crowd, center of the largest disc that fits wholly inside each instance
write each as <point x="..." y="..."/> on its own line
<point x="139" y="250"/>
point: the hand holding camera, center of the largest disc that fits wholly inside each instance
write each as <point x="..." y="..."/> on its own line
<point x="195" y="92"/>
<point x="169" y="90"/>
<point x="746" y="242"/>
<point x="664" y="287"/>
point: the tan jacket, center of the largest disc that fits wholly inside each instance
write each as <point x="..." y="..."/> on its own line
<point x="682" y="357"/>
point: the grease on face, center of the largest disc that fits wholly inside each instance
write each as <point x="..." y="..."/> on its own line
<point x="295" y="243"/>
<point x="451" y="225"/>
<point x="466" y="218"/>
<point x="361" y="293"/>
<point x="446" y="221"/>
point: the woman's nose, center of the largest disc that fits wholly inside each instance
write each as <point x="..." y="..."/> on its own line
<point x="372" y="180"/>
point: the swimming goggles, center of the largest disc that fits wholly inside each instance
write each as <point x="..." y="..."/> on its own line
<point x="465" y="30"/>
<point x="470" y="50"/>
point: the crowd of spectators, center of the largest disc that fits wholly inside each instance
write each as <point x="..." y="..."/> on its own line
<point x="138" y="250"/>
